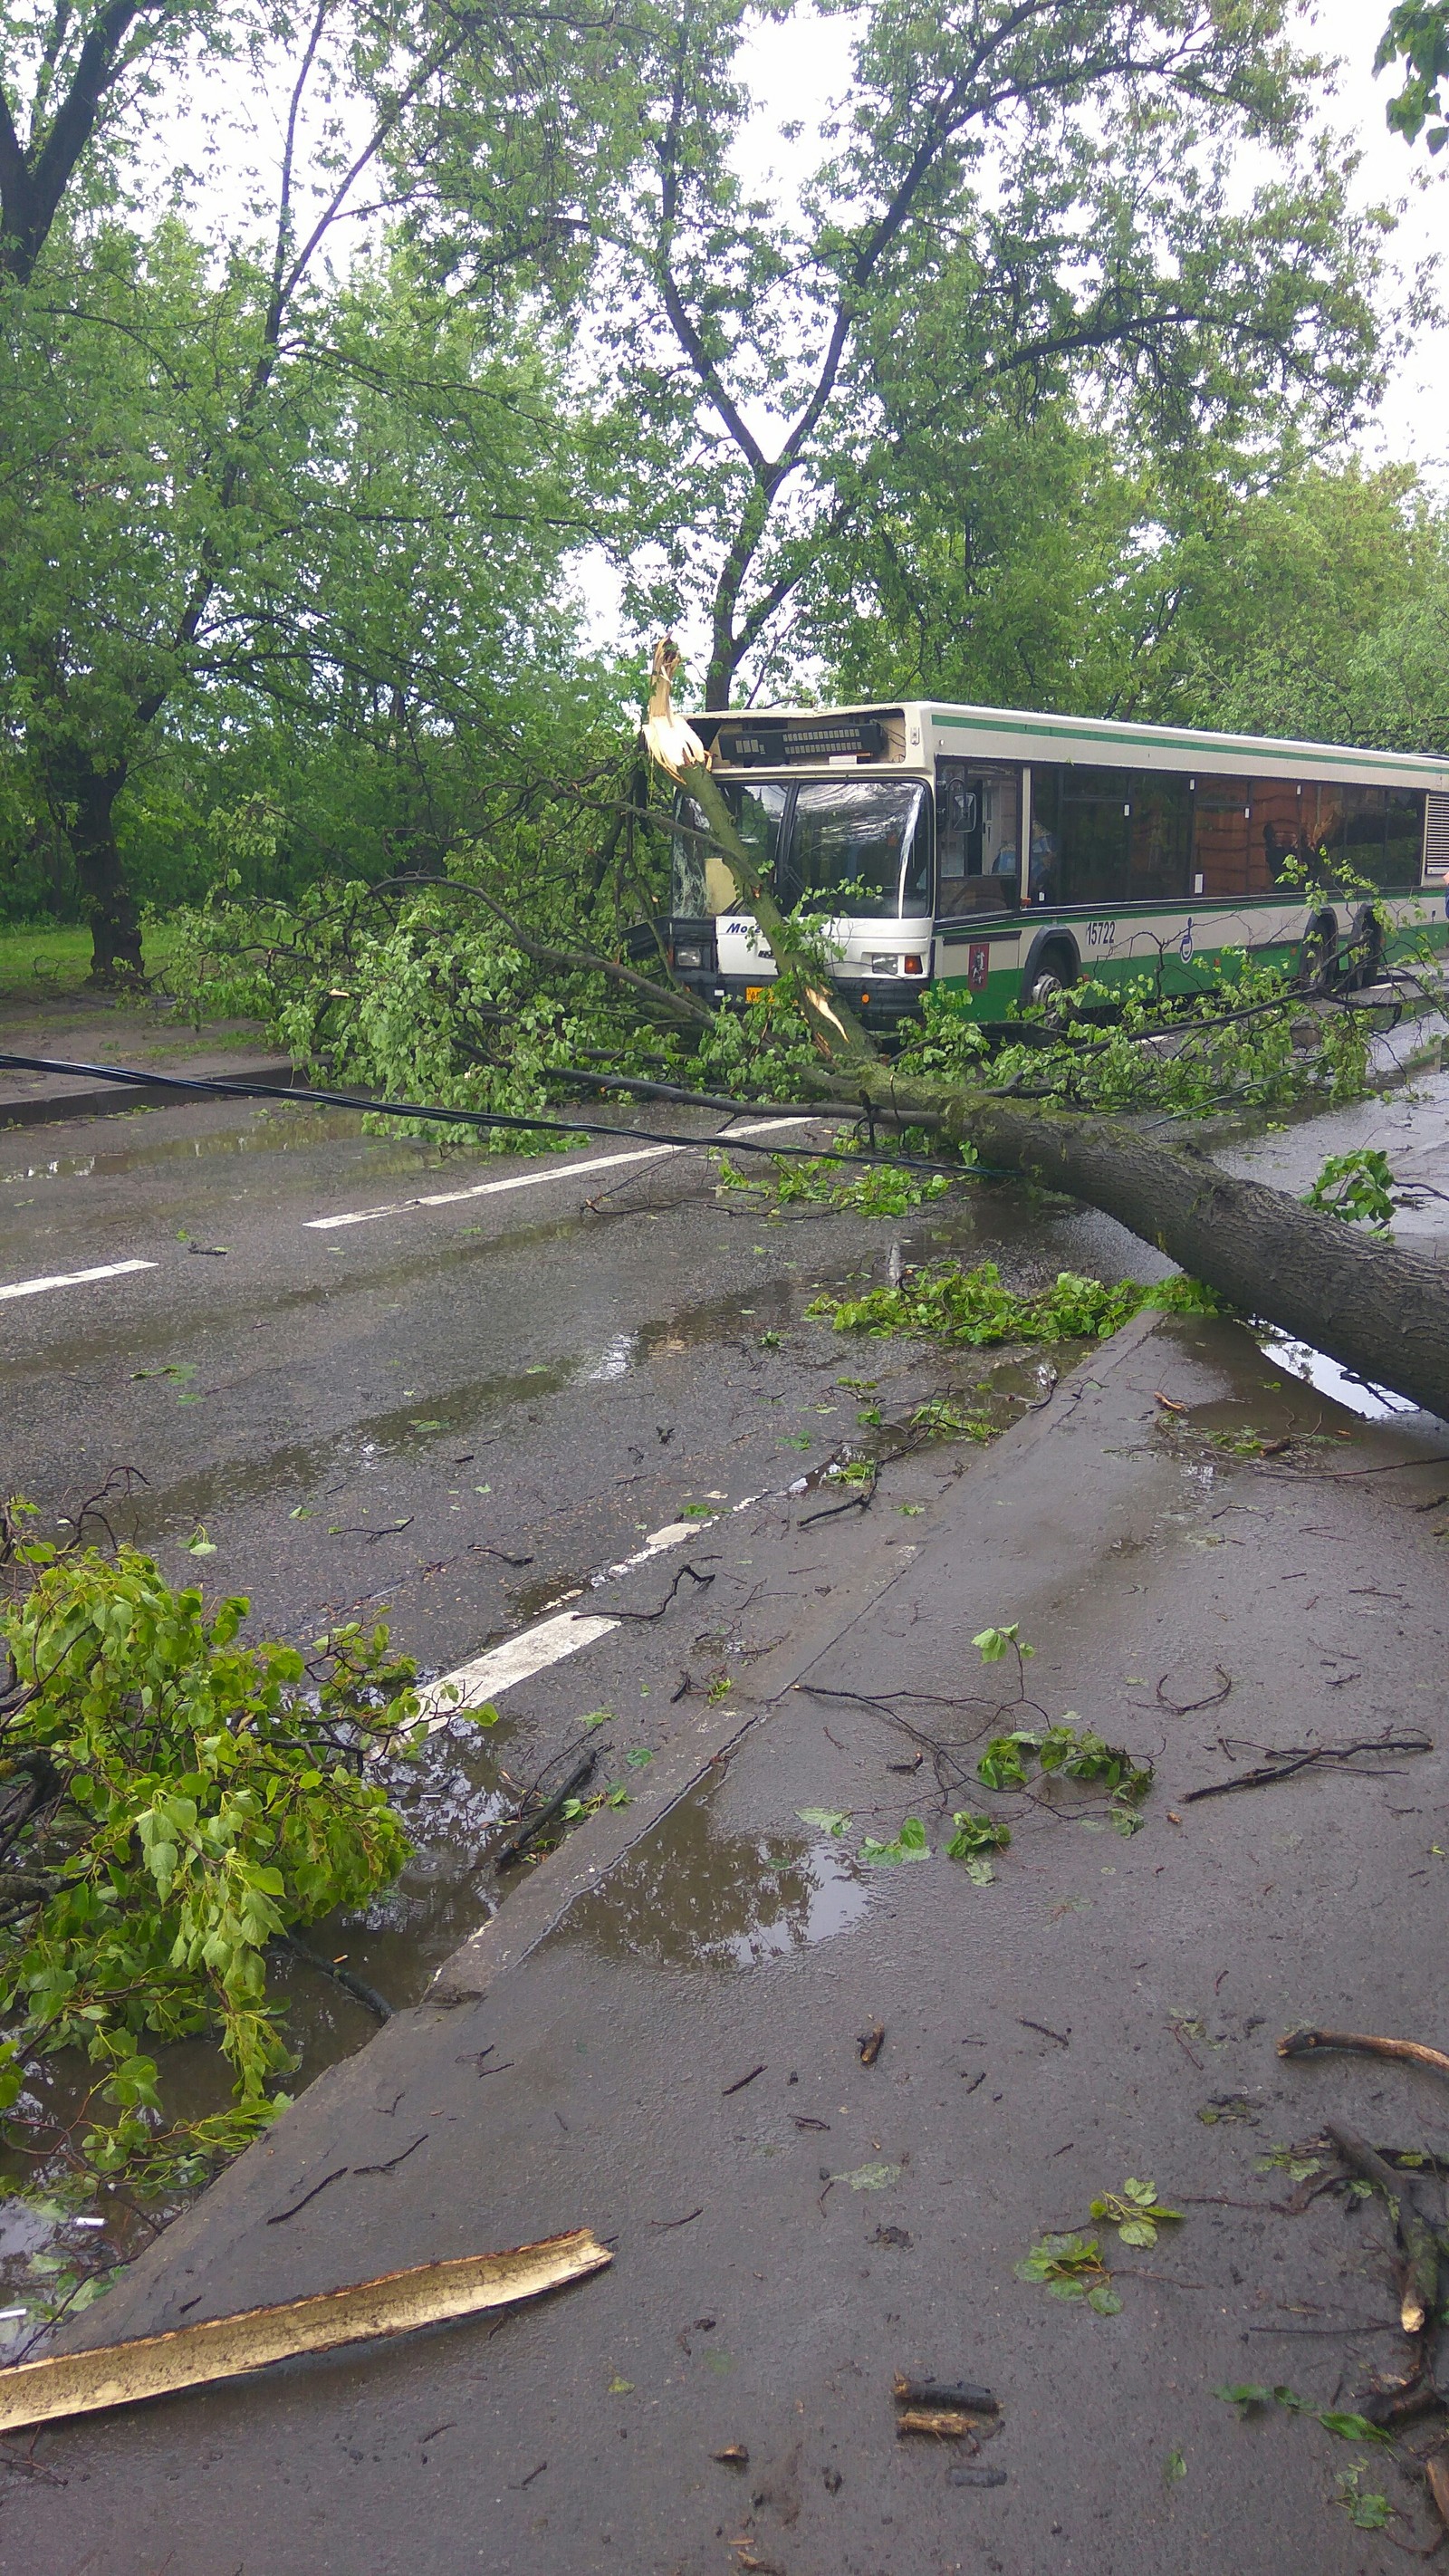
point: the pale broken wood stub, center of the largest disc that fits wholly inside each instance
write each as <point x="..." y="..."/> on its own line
<point x="121" y="2374"/>
<point x="946" y="2423"/>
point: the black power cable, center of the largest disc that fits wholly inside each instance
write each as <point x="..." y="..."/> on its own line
<point x="225" y="1088"/>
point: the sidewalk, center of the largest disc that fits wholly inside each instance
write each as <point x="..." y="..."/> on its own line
<point x="657" y="2037"/>
<point x="82" y="1033"/>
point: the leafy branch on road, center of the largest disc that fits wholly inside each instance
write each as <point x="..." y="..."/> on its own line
<point x="976" y="1307"/>
<point x="172" y="1803"/>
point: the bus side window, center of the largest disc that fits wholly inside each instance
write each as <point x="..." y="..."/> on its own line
<point x="957" y="837"/>
<point x="978" y="809"/>
<point x="1275" y="829"/>
<point x="1221" y="817"/>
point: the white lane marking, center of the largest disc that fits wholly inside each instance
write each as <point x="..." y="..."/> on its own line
<point x="516" y="1660"/>
<point x="74" y="1278"/>
<point x="519" y="1658"/>
<point x="560" y="1172"/>
<point x="673" y="1534"/>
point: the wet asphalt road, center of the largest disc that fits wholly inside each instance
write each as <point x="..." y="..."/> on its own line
<point x="673" y="2058"/>
<point x="356" y="1418"/>
<point x="447" y="1417"/>
<point x="451" y="1415"/>
<point x="599" y="1370"/>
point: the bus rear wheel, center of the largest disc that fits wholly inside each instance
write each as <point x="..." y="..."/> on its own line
<point x="1365" y="947"/>
<point x="1051" y="985"/>
<point x="1318" y="954"/>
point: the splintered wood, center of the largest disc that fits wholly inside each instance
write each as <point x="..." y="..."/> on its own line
<point x="118" y="2374"/>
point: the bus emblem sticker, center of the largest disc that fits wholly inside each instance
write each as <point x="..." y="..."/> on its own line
<point x="978" y="965"/>
<point x="1184" y="945"/>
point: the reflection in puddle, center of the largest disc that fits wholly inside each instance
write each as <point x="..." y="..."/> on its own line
<point x="1357" y="1394"/>
<point x="615" y="1361"/>
<point x="692" y="1896"/>
<point x="282" y="1130"/>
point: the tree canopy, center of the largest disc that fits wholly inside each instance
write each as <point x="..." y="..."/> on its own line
<point x="341" y="351"/>
<point x="1417" y="38"/>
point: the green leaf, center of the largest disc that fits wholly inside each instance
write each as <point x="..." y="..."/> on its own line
<point x="1352" y="2428"/>
<point x="199" y="1544"/>
<point x="994" y="1643"/>
<point x="909" y="1844"/>
<point x="1104" y="2300"/>
<point x="1248" y="2396"/>
<point x="828" y="1820"/>
<point x="872" y="2177"/>
<point x="974" y="1836"/>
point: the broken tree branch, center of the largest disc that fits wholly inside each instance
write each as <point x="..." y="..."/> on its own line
<point x="1294" y="1758"/>
<point x="118" y="2374"/>
<point x="1416" y="2235"/>
<point x="1412" y="2052"/>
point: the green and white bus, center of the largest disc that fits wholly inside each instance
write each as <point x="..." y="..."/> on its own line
<point x="1005" y="857"/>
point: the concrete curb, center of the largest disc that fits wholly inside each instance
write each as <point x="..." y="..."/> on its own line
<point x="107" y="1100"/>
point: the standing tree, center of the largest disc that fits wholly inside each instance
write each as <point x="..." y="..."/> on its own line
<point x="1023" y="207"/>
<point x="215" y="464"/>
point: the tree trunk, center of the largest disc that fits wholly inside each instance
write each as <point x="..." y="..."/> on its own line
<point x="86" y="797"/>
<point x="1376" y="1310"/>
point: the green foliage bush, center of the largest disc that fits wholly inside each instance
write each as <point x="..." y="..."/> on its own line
<point x="171" y="1801"/>
<point x="1235" y="1044"/>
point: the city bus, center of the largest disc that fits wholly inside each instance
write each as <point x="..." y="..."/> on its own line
<point x="1004" y="858"/>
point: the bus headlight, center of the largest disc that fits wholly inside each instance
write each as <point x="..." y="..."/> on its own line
<point x="882" y="965"/>
<point x="689" y="955"/>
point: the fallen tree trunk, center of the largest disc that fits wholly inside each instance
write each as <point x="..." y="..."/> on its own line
<point x="1379" y="1311"/>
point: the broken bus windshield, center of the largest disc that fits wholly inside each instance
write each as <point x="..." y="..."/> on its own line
<point x="866" y="838"/>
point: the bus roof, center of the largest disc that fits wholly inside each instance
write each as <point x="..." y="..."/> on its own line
<point x="914" y="731"/>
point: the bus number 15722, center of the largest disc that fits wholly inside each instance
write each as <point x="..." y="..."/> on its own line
<point x="1101" y="934"/>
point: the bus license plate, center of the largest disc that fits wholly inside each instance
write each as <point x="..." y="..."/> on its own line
<point x="755" y="992"/>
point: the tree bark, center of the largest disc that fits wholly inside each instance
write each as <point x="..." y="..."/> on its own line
<point x="1378" y="1311"/>
<point x="85" y="797"/>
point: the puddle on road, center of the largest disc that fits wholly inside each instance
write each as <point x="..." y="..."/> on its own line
<point x="1313" y="1368"/>
<point x="691" y="1895"/>
<point x="268" y="1131"/>
<point x="1277" y="1388"/>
